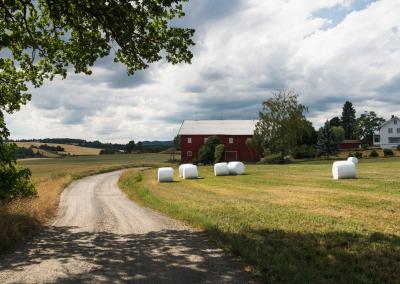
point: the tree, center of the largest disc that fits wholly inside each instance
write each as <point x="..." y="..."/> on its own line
<point x="130" y="146"/>
<point x="329" y="138"/>
<point x="282" y="123"/>
<point x="348" y="121"/>
<point x="310" y="135"/>
<point x="45" y="37"/>
<point x="219" y="152"/>
<point x="368" y="123"/>
<point x="338" y="134"/>
<point x="335" y="121"/>
<point x="177" y="142"/>
<point x="207" y="151"/>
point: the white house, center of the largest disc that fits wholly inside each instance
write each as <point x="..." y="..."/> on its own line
<point x="389" y="134"/>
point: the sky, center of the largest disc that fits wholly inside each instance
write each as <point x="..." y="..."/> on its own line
<point x="328" y="51"/>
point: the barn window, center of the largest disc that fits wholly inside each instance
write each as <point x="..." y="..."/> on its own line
<point x="230" y="140"/>
<point x="189" y="140"/>
<point x="205" y="139"/>
<point x="189" y="153"/>
<point x="390" y="130"/>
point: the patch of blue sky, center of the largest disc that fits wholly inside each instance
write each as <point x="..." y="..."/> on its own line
<point x="335" y="15"/>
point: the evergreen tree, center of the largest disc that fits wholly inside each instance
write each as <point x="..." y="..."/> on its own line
<point x="348" y="121"/>
<point x="335" y="121"/>
<point x="327" y="144"/>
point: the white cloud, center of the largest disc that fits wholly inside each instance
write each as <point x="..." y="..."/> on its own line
<point x="245" y="49"/>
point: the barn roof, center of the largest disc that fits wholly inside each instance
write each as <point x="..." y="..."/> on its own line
<point x="217" y="127"/>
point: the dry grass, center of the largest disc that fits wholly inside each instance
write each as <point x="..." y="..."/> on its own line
<point x="21" y="219"/>
<point x="69" y="149"/>
<point x="292" y="223"/>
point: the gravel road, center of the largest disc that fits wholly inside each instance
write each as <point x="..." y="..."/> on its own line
<point x="100" y="236"/>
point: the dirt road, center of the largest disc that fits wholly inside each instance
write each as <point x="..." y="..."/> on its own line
<point x="99" y="236"/>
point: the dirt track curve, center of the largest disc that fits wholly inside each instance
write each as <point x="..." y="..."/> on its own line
<point x="100" y="236"/>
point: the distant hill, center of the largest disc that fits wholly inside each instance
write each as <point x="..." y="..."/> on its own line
<point x="158" y="143"/>
<point x="68" y="149"/>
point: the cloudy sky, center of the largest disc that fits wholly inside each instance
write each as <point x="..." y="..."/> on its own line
<point x="329" y="51"/>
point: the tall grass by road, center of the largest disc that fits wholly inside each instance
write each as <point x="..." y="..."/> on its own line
<point x="292" y="223"/>
<point x="22" y="218"/>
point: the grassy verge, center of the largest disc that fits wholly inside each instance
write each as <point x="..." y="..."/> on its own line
<point x="292" y="223"/>
<point x="23" y="218"/>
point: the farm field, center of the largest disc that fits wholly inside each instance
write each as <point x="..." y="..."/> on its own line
<point x="68" y="149"/>
<point x="22" y="218"/>
<point x="292" y="223"/>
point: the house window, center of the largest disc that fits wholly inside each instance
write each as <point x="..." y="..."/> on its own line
<point x="398" y="130"/>
<point x="189" y="153"/>
<point x="390" y="130"/>
<point x="230" y="140"/>
<point x="395" y="121"/>
<point x="189" y="140"/>
<point x="394" y="140"/>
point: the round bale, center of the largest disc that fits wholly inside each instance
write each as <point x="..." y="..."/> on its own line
<point x="221" y="169"/>
<point x="354" y="160"/>
<point x="165" y="174"/>
<point x="181" y="169"/>
<point x="236" y="168"/>
<point x="343" y="170"/>
<point x="190" y="172"/>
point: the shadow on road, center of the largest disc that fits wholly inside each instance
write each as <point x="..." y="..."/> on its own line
<point x="61" y="255"/>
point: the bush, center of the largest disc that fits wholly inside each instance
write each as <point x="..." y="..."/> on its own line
<point x="14" y="180"/>
<point x="304" y="152"/>
<point x="108" y="152"/>
<point x="207" y="151"/>
<point x="374" y="154"/>
<point x="358" y="155"/>
<point x="51" y="148"/>
<point x="364" y="146"/>
<point x="387" y="152"/>
<point x="219" y="152"/>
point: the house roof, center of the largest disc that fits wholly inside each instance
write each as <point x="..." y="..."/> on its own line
<point x="217" y="127"/>
<point x="386" y="122"/>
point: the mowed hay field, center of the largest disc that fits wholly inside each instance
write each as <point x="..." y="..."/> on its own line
<point x="68" y="149"/>
<point x="292" y="223"/>
<point x="22" y="218"/>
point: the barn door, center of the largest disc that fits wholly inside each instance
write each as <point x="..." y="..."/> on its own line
<point x="230" y="156"/>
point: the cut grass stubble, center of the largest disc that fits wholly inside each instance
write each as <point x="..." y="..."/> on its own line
<point x="292" y="223"/>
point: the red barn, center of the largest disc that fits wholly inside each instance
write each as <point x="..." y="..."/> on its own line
<point x="232" y="133"/>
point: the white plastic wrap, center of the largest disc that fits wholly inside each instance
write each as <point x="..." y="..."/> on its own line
<point x="343" y="170"/>
<point x="354" y="160"/>
<point x="190" y="172"/>
<point x="236" y="168"/>
<point x="165" y="174"/>
<point x="181" y="169"/>
<point x="221" y="169"/>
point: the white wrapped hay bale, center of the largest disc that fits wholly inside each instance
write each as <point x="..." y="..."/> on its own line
<point x="236" y="168"/>
<point x="353" y="160"/>
<point x="190" y="172"/>
<point x="221" y="169"/>
<point x="165" y="174"/>
<point x="181" y="169"/>
<point x="343" y="170"/>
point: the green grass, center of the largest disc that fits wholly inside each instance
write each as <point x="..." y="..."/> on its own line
<point x="292" y="223"/>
